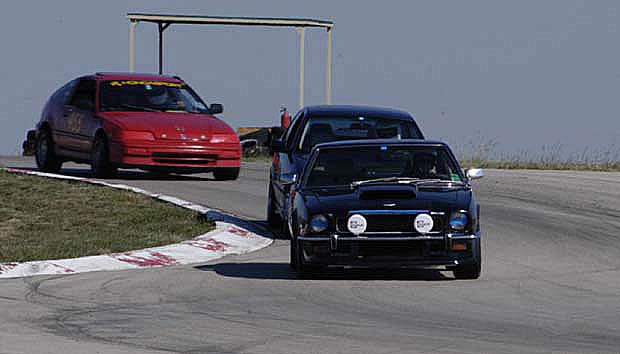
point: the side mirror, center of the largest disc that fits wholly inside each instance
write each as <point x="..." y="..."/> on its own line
<point x="475" y="173"/>
<point x="277" y="145"/>
<point x="288" y="179"/>
<point x="216" y="108"/>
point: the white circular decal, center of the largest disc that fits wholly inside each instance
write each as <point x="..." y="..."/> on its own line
<point x="423" y="223"/>
<point x="357" y="224"/>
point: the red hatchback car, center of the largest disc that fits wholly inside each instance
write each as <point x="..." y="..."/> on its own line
<point x="150" y="122"/>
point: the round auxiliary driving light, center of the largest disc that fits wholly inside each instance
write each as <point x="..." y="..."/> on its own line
<point x="423" y="223"/>
<point x="458" y="221"/>
<point x="357" y="224"/>
<point x="319" y="223"/>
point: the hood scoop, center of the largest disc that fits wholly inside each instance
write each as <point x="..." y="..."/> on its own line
<point x="386" y="192"/>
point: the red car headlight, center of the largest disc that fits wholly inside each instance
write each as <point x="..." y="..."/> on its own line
<point x="135" y="135"/>
<point x="224" y="139"/>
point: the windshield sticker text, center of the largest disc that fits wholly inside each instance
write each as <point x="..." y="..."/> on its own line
<point x="149" y="83"/>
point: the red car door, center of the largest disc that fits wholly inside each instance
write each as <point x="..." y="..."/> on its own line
<point x="56" y="117"/>
<point x="79" y="116"/>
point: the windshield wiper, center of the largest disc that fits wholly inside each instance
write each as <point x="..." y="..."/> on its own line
<point x="142" y="108"/>
<point x="446" y="181"/>
<point x="404" y="180"/>
<point x="385" y="179"/>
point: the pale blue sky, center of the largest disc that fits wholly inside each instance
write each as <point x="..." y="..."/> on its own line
<point x="524" y="73"/>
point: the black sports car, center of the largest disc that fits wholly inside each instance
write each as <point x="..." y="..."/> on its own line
<point x="321" y="124"/>
<point x="385" y="203"/>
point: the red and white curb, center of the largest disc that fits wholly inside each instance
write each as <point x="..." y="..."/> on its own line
<point x="232" y="236"/>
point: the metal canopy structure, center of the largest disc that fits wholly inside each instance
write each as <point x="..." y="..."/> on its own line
<point x="164" y="21"/>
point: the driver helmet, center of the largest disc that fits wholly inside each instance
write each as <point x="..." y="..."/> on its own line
<point x="424" y="165"/>
<point x="157" y="95"/>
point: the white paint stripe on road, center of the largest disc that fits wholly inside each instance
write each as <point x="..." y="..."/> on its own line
<point x="228" y="238"/>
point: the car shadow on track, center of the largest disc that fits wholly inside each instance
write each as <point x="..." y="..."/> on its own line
<point x="282" y="271"/>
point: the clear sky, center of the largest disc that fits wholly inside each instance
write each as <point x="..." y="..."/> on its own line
<point x="523" y="73"/>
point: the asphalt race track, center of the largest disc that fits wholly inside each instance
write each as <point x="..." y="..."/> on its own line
<point x="550" y="284"/>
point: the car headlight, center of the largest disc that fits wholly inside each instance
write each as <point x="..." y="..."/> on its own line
<point x="136" y="135"/>
<point x="224" y="139"/>
<point x="458" y="221"/>
<point x="319" y="223"/>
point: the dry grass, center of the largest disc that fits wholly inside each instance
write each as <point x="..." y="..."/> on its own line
<point x="484" y="153"/>
<point x="49" y="219"/>
<point x="480" y="152"/>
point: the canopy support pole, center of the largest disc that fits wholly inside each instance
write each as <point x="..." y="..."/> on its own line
<point x="132" y="45"/>
<point x="302" y="64"/>
<point x="161" y="27"/>
<point x="328" y="69"/>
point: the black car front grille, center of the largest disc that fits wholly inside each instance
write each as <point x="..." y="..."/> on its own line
<point x="393" y="223"/>
<point x="382" y="248"/>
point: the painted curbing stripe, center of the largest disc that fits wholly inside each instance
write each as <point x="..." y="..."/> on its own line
<point x="231" y="236"/>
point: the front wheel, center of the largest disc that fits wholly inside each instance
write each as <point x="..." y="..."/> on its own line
<point x="472" y="270"/>
<point x="100" y="164"/>
<point x="273" y="219"/>
<point x="304" y="271"/>
<point x="226" y="174"/>
<point x="293" y="254"/>
<point x="47" y="160"/>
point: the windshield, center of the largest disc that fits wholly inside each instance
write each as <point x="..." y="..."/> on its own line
<point x="343" y="166"/>
<point x="149" y="96"/>
<point x="326" y="129"/>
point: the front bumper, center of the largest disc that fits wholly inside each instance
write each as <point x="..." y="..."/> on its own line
<point x="183" y="157"/>
<point x="380" y="251"/>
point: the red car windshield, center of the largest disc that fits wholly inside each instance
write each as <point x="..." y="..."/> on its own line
<point x="149" y="96"/>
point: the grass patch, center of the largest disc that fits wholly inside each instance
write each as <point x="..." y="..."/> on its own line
<point x="49" y="219"/>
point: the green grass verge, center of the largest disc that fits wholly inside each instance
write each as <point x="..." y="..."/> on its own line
<point x="525" y="165"/>
<point x="48" y="219"/>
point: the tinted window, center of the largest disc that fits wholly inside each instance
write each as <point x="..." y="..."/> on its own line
<point x="326" y="129"/>
<point x="62" y="95"/>
<point x="84" y="95"/>
<point x="139" y="95"/>
<point x="290" y="133"/>
<point x="342" y="166"/>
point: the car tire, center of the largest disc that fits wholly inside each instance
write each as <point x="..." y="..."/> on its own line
<point x="293" y="254"/>
<point x="100" y="164"/>
<point x="470" y="271"/>
<point x="304" y="271"/>
<point x="46" y="158"/>
<point x="226" y="174"/>
<point x="273" y="219"/>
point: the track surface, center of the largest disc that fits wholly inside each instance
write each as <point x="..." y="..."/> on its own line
<point x="550" y="284"/>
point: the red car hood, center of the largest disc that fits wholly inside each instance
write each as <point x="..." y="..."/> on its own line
<point x="169" y="125"/>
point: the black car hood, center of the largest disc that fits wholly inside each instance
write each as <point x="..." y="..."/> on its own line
<point x="338" y="201"/>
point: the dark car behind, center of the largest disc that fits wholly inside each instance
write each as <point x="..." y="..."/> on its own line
<point x="322" y="124"/>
